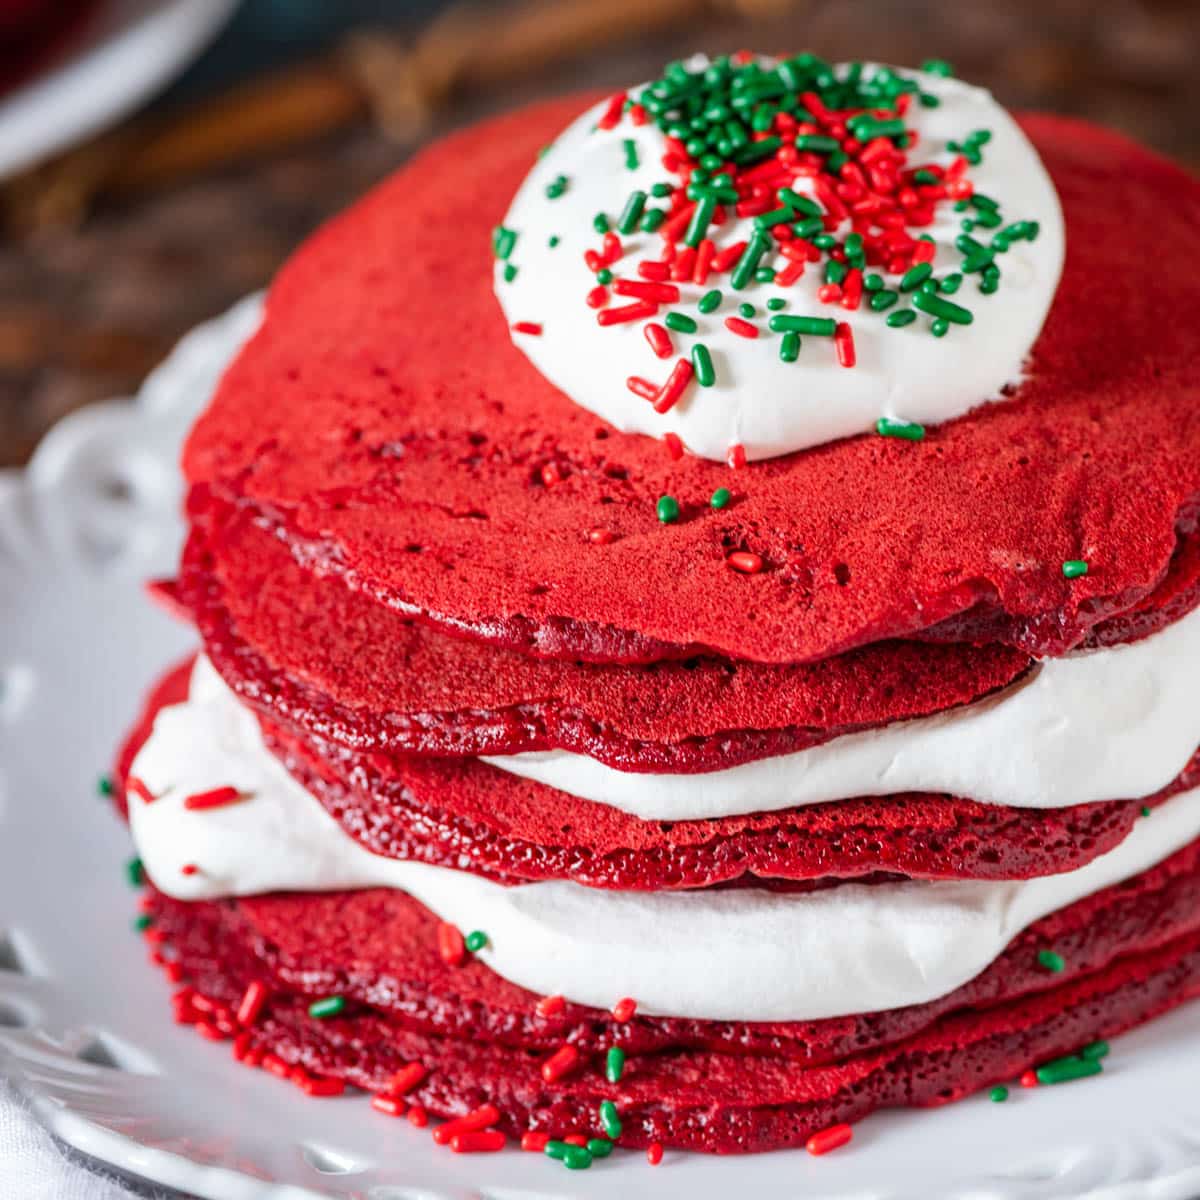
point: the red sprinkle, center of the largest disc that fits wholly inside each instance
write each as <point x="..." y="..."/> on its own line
<point x="535" y="1140"/>
<point x="392" y="1106"/>
<point x="575" y="1139"/>
<point x="275" y="1065"/>
<point x="251" y="1005"/>
<point x="624" y="1009"/>
<point x="209" y="1030"/>
<point x="562" y="1062"/>
<point x="598" y="296"/>
<point x="450" y="944"/>
<point x="651" y="268"/>
<point x="674" y="445"/>
<point x="217" y="798"/>
<point x="745" y="562"/>
<point x="664" y="293"/>
<point x="188" y="869"/>
<point x="705" y="253"/>
<point x="418" y="1116"/>
<point x="923" y="252"/>
<point x="486" y="1141"/>
<point x="736" y="457"/>
<point x="741" y="328"/>
<point x="829" y="1139"/>
<point x="843" y="339"/>
<point x="530" y="327"/>
<point x="1029" y="1079"/>
<point x="479" y="1118"/>
<point x="654" y="1153"/>
<point x="725" y="259"/>
<point x="612" y="248"/>
<point x="676" y="385"/>
<point x="321" y="1087"/>
<point x="140" y="790"/>
<point x="627" y="312"/>
<point x="612" y="112"/>
<point x="598" y="537"/>
<point x="660" y="340"/>
<point x="641" y="387"/>
<point x="407" y="1078"/>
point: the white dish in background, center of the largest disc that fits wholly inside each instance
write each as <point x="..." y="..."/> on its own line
<point x="127" y="51"/>
<point x="85" y="1025"/>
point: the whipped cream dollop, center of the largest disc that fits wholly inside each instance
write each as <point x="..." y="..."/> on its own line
<point x="758" y="401"/>
<point x="1111" y="724"/>
<point x="850" y="949"/>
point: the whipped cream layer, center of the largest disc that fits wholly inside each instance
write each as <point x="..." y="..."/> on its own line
<point x="849" y="949"/>
<point x="768" y="406"/>
<point x="1112" y="724"/>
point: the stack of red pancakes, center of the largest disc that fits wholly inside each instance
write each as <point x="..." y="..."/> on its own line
<point x="380" y="567"/>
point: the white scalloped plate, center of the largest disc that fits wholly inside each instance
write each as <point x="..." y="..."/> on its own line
<point x="85" y="1027"/>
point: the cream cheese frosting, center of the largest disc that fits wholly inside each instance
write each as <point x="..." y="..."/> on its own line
<point x="768" y="406"/>
<point x="1111" y="724"/>
<point x="850" y="949"/>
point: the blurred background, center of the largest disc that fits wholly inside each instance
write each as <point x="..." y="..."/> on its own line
<point x="159" y="158"/>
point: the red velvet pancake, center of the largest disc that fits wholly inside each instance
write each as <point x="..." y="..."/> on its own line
<point x="327" y="660"/>
<point x="695" y="1099"/>
<point x="471" y="816"/>
<point x="400" y="437"/>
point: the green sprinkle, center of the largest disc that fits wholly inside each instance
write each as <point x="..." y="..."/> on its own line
<point x="614" y="1061"/>
<point x="135" y="872"/>
<point x="951" y="283"/>
<point x="748" y="263"/>
<point x="938" y="306"/>
<point x="720" y="498"/>
<point x="1095" y="1050"/>
<point x="668" y="509"/>
<point x="701" y="218"/>
<point x="1145" y="810"/>
<point x="104" y="786"/>
<point x="818" y="143"/>
<point x="599" y="1147"/>
<point x="577" y="1158"/>
<point x="1052" y="961"/>
<point x="609" y="1119"/>
<point x="631" y="154"/>
<point x="816" y="326"/>
<point x="872" y="282"/>
<point x="503" y="241"/>
<point x="142" y="922"/>
<point x="510" y="272"/>
<point x="660" y="191"/>
<point x="776" y="303"/>
<point x="604" y="276"/>
<point x="652" y="218"/>
<point x="331" y="1006"/>
<point x="710" y="301"/>
<point x="746" y="309"/>
<point x="798" y="203"/>
<point x="556" y="1149"/>
<point x="909" y="431"/>
<point x="915" y="276"/>
<point x="809" y="228"/>
<point x="475" y="941"/>
<point x="940" y="327"/>
<point x="770" y="219"/>
<point x="702" y="364"/>
<point x="884" y="299"/>
<point x="600" y="223"/>
<point x="554" y="240"/>
<point x="1074" y="568"/>
<point x="898" y="320"/>
<point x="938" y="66"/>
<point x="998" y="1095"/>
<point x="789" y="346"/>
<point x="764" y="275"/>
<point x="556" y="188"/>
<point x="680" y="322"/>
<point x="632" y="212"/>
<point x="1063" y="1070"/>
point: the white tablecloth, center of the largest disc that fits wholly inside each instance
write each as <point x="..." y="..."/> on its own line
<point x="32" y="1167"/>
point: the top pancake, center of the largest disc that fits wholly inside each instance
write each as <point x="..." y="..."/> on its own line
<point x="383" y="416"/>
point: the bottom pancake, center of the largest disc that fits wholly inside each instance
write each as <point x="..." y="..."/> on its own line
<point x="723" y="1101"/>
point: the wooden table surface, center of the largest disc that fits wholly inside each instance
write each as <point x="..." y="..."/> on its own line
<point x="85" y="311"/>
